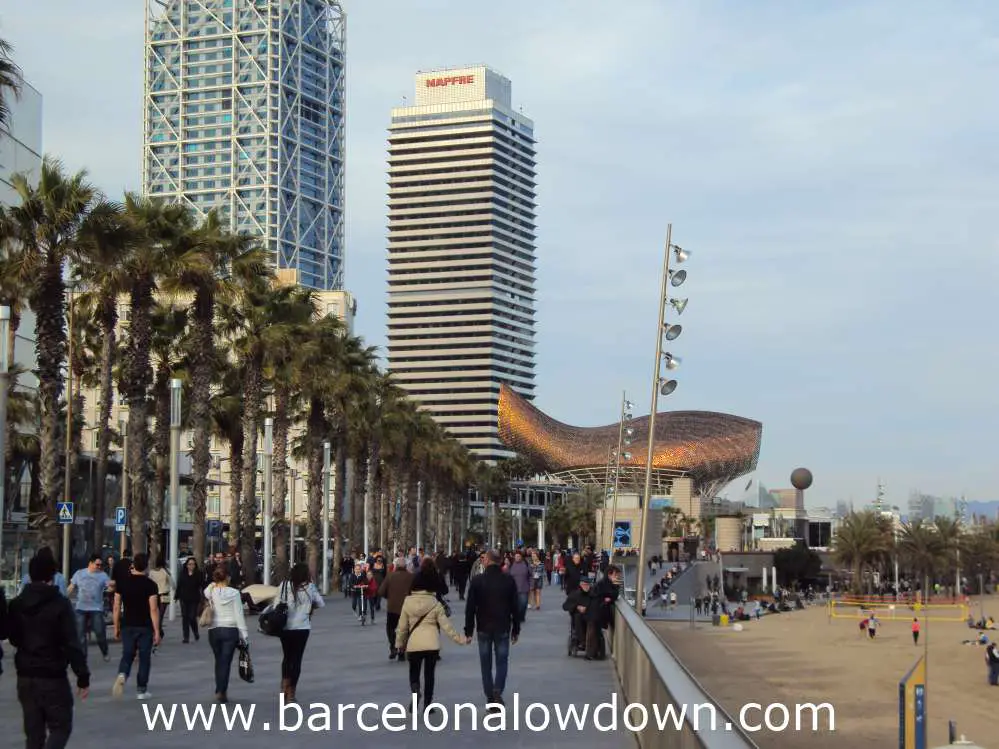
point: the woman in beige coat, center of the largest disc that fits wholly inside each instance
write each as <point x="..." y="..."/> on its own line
<point x="418" y="635"/>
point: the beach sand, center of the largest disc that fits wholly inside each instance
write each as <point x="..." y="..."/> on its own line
<point x="802" y="656"/>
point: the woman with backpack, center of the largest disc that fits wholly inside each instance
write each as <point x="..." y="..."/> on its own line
<point x="418" y="634"/>
<point x="301" y="597"/>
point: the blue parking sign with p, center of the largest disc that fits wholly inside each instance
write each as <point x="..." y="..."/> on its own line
<point x="120" y="518"/>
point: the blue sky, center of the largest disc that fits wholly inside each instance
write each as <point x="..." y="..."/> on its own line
<point x="833" y="167"/>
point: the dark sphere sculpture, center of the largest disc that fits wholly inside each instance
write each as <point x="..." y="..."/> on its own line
<point x="801" y="479"/>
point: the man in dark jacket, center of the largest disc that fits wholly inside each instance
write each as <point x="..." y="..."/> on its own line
<point x="601" y="613"/>
<point x="578" y="605"/>
<point x="492" y="608"/>
<point x="573" y="572"/>
<point x="394" y="589"/>
<point x="42" y="626"/>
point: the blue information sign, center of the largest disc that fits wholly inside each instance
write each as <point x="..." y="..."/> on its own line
<point x="120" y="519"/>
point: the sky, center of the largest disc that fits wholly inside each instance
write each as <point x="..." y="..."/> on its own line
<point x="832" y="167"/>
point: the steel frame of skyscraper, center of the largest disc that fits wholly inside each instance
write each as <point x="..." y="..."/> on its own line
<point x="244" y="111"/>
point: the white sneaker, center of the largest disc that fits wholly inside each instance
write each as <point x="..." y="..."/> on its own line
<point x="119" y="686"/>
<point x="143" y="695"/>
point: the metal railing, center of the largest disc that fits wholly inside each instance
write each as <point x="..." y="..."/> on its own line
<point x="650" y="674"/>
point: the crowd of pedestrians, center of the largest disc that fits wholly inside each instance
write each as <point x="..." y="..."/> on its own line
<point x="51" y="621"/>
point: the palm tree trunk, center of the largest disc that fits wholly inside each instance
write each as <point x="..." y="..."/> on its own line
<point x="161" y="447"/>
<point x="280" y="529"/>
<point x="252" y="401"/>
<point x="407" y="536"/>
<point x="235" y="485"/>
<point x="138" y="378"/>
<point x="108" y="321"/>
<point x="49" y="303"/>
<point x="383" y="508"/>
<point x="370" y="487"/>
<point x="202" y="353"/>
<point x="314" y="486"/>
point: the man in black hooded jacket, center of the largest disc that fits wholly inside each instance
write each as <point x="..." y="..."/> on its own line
<point x="42" y="626"/>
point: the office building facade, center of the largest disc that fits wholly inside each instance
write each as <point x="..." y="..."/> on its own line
<point x="461" y="251"/>
<point x="244" y="112"/>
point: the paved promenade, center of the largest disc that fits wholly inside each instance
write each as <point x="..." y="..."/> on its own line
<point x="344" y="663"/>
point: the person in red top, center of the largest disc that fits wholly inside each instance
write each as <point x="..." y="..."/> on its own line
<point x="915" y="630"/>
<point x="370" y="594"/>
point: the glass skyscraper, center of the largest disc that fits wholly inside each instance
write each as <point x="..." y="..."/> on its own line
<point x="244" y="112"/>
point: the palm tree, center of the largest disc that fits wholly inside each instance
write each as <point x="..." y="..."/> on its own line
<point x="169" y="325"/>
<point x="859" y="541"/>
<point x="348" y="380"/>
<point x="201" y="271"/>
<point x="44" y="226"/>
<point x="950" y="539"/>
<point x="165" y="231"/>
<point x="227" y="425"/>
<point x="10" y="83"/>
<point x="256" y="321"/>
<point x="105" y="239"/>
<point x="921" y="548"/>
<point x="282" y="370"/>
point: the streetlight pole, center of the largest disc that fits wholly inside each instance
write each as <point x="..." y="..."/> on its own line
<point x="4" y="386"/>
<point x="175" y="386"/>
<point x="324" y="559"/>
<point x="123" y="428"/>
<point x="658" y="386"/>
<point x="67" y="486"/>
<point x="268" y="494"/>
<point x="617" y="469"/>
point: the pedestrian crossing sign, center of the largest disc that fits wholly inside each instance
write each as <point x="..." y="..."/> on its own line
<point x="65" y="512"/>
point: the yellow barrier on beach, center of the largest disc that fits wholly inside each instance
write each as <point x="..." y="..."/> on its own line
<point x="888" y="611"/>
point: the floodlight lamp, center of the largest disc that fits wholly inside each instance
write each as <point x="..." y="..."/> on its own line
<point x="668" y="387"/>
<point x="679" y="305"/>
<point x="680" y="254"/>
<point x="628" y="405"/>
<point x="672" y="362"/>
<point x="629" y="431"/>
<point x="626" y="456"/>
<point x="672" y="332"/>
<point x="677" y="277"/>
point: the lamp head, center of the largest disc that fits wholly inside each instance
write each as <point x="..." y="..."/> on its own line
<point x="680" y="254"/>
<point x="677" y="277"/>
<point x="672" y="362"/>
<point x="672" y="332"/>
<point x="667" y="387"/>
<point x="679" y="305"/>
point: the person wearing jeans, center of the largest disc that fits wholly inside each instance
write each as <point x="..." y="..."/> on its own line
<point x="227" y="629"/>
<point x="492" y="609"/>
<point x="299" y="593"/>
<point x="90" y="585"/>
<point x="139" y="629"/>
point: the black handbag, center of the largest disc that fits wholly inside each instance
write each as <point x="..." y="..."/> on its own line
<point x="273" y="620"/>
<point x="245" y="663"/>
<point x="444" y="603"/>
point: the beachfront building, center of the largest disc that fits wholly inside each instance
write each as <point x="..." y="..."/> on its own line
<point x="461" y="251"/>
<point x="244" y="112"/>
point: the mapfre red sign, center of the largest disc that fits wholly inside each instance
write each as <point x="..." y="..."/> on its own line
<point x="454" y="80"/>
